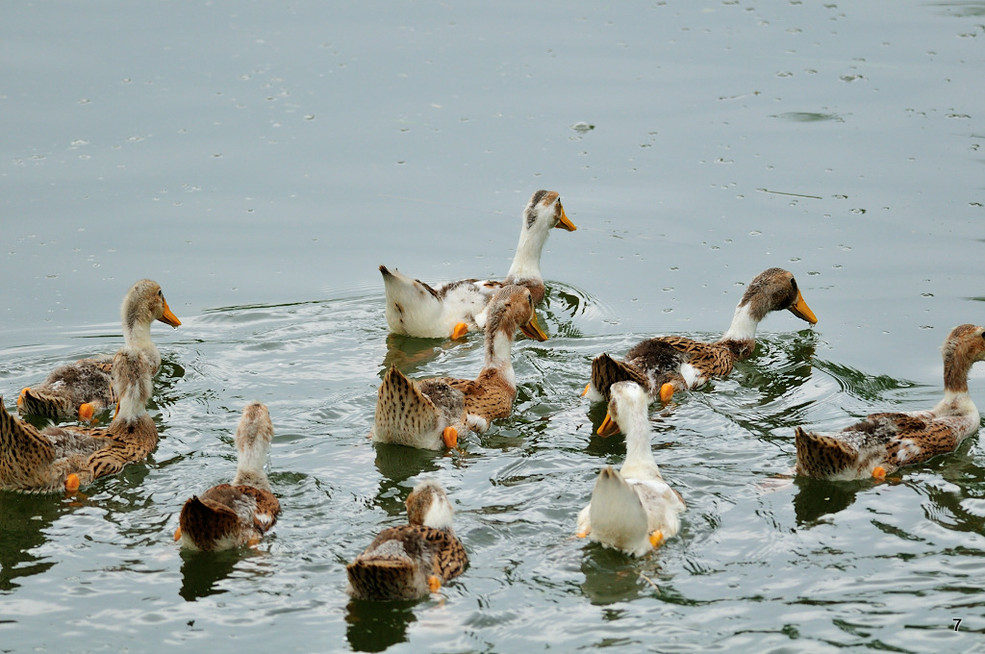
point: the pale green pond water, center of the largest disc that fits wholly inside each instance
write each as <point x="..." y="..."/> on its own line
<point x="261" y="160"/>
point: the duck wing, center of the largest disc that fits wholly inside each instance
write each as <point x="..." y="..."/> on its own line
<point x="25" y="455"/>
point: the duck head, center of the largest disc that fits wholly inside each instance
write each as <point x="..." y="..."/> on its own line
<point x="627" y="402"/>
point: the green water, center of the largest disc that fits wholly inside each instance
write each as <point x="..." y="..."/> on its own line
<point x="261" y="161"/>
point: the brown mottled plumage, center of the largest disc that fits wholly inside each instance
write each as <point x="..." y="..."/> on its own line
<point x="420" y="414"/>
<point x="82" y="388"/>
<point x="231" y="515"/>
<point x="667" y="364"/>
<point x="427" y="414"/>
<point x="412" y="560"/>
<point x="451" y="310"/>
<point x="60" y="458"/>
<point x="884" y="442"/>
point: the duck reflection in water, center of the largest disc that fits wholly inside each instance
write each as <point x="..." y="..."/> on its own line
<point x="202" y="572"/>
<point x="613" y="577"/>
<point x="374" y="626"/>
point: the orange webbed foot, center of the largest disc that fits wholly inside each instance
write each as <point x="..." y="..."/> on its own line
<point x="656" y="538"/>
<point x="20" y="398"/>
<point x="587" y="386"/>
<point x="666" y="392"/>
<point x="72" y="483"/>
<point x="177" y="534"/>
<point x="879" y="473"/>
<point x="434" y="583"/>
<point x="461" y="329"/>
<point x="450" y="437"/>
<point x="86" y="411"/>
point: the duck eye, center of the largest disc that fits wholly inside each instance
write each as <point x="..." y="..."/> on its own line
<point x="793" y="283"/>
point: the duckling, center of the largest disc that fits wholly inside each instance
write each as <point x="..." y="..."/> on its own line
<point x="82" y="388"/>
<point x="69" y="457"/>
<point x="632" y="509"/>
<point x="667" y="364"/>
<point x="429" y="414"/>
<point x="231" y="515"/>
<point x="885" y="442"/>
<point x="415" y="559"/>
<point x="451" y="310"/>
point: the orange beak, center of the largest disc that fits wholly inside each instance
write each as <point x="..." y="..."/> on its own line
<point x="608" y="427"/>
<point x="532" y="329"/>
<point x="564" y="222"/>
<point x="802" y="311"/>
<point x="169" y="318"/>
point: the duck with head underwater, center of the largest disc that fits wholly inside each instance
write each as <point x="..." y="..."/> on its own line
<point x="667" y="364"/>
<point x="412" y="560"/>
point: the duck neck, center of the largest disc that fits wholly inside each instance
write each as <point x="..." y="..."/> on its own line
<point x="132" y="406"/>
<point x="249" y="469"/>
<point x="526" y="261"/>
<point x="740" y="337"/>
<point x="638" y="451"/>
<point x="137" y="335"/>
<point x="499" y="347"/>
<point x="957" y="365"/>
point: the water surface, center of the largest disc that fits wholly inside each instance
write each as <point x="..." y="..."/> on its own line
<point x="261" y="161"/>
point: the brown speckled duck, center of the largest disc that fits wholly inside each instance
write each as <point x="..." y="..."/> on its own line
<point x="80" y="389"/>
<point x="65" y="458"/>
<point x="884" y="442"/>
<point x="231" y="515"/>
<point x="415" y="559"/>
<point x="667" y="364"/>
<point x="429" y="414"/>
<point x="633" y="509"/>
<point x="454" y="309"/>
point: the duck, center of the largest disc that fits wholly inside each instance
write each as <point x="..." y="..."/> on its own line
<point x="231" y="515"/>
<point x="68" y="457"/>
<point x="84" y="388"/>
<point x="885" y="442"/>
<point x="412" y="560"/>
<point x="632" y="509"/>
<point x="667" y="364"/>
<point x="454" y="309"/>
<point x="430" y="414"/>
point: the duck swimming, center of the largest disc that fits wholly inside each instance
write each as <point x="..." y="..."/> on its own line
<point x="451" y="310"/>
<point x="633" y="509"/>
<point x="231" y="515"/>
<point x="66" y="458"/>
<point x="83" y="388"/>
<point x="429" y="414"/>
<point x="667" y="364"/>
<point x="412" y="560"/>
<point x="885" y="442"/>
